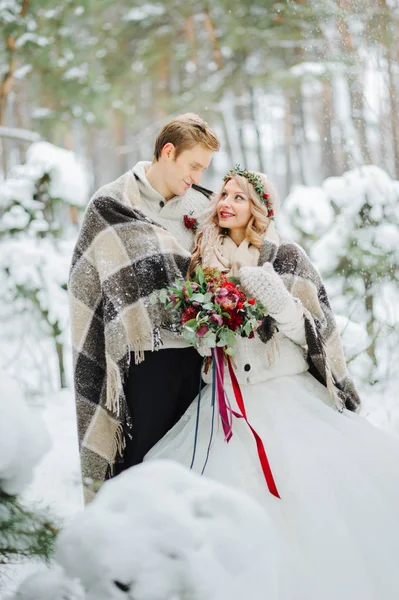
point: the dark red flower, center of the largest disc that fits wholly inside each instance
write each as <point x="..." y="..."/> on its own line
<point x="271" y="213"/>
<point x="252" y="301"/>
<point x="188" y="314"/>
<point x="201" y="331"/>
<point x="190" y="222"/>
<point x="235" y="321"/>
<point x="228" y="285"/>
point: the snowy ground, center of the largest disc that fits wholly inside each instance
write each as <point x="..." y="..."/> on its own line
<point x="57" y="478"/>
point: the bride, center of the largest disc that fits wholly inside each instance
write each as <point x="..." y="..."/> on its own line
<point x="336" y="475"/>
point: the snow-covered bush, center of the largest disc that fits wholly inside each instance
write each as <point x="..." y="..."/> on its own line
<point x="160" y="532"/>
<point x="23" y="441"/>
<point x="37" y="197"/>
<point x="36" y="242"/>
<point x="350" y="227"/>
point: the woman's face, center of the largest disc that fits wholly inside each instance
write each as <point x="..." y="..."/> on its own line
<point x="234" y="207"/>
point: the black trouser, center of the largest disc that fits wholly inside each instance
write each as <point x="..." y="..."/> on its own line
<point x="158" y="392"/>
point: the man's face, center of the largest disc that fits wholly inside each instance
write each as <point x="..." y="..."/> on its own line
<point x="186" y="169"/>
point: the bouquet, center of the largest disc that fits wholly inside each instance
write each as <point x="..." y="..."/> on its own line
<point x="213" y="310"/>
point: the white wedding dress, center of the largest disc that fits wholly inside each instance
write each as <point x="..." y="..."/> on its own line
<point x="337" y="475"/>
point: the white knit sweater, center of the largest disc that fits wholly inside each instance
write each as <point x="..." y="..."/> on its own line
<point x="170" y="214"/>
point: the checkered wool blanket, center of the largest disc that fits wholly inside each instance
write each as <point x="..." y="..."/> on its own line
<point x="325" y="354"/>
<point x="120" y="258"/>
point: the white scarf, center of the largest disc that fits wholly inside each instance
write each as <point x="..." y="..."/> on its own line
<point x="225" y="255"/>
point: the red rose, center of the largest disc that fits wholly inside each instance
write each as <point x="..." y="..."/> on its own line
<point x="228" y="284"/>
<point x="188" y="314"/>
<point x="266" y="196"/>
<point x="235" y="321"/>
<point x="240" y="305"/>
<point x="252" y="301"/>
<point x="271" y="213"/>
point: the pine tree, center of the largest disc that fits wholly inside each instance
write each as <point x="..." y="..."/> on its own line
<point x="24" y="533"/>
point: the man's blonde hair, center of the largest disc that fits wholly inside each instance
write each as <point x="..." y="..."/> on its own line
<point x="185" y="132"/>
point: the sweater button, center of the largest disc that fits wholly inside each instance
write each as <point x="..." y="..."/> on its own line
<point x="162" y="204"/>
<point x="247" y="367"/>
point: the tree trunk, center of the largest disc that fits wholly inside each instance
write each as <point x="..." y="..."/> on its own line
<point x="392" y="57"/>
<point x="240" y="122"/>
<point x="288" y="132"/>
<point x="325" y="125"/>
<point x="191" y="39"/>
<point x="369" y="306"/>
<point x="354" y="81"/>
<point x="6" y="85"/>
<point x="254" y="116"/>
<point x="211" y="29"/>
<point x="61" y="367"/>
<point x="119" y="138"/>
<point x="226" y="139"/>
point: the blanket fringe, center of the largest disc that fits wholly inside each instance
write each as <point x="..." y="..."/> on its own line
<point x="138" y="355"/>
<point x="331" y="388"/>
<point x="118" y="446"/>
<point x="114" y="387"/>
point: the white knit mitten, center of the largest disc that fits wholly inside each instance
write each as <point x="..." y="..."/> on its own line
<point x="267" y="287"/>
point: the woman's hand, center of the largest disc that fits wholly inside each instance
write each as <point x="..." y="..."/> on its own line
<point x="266" y="286"/>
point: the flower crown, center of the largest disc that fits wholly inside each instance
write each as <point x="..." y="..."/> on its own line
<point x="256" y="181"/>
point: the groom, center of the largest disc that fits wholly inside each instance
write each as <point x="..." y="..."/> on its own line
<point x="135" y="239"/>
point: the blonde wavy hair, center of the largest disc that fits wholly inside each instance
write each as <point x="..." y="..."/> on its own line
<point x="210" y="229"/>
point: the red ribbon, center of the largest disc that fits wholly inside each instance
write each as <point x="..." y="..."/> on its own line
<point x="224" y="408"/>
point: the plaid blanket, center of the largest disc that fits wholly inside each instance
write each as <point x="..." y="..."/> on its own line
<point x="120" y="258"/>
<point x="325" y="354"/>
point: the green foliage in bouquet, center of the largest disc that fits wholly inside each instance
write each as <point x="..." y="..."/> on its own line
<point x="212" y="309"/>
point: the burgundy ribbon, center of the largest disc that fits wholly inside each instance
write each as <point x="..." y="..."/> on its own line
<point x="226" y="411"/>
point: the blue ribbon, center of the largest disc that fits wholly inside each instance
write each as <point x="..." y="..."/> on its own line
<point x="213" y="403"/>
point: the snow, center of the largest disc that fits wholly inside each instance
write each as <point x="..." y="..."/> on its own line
<point x="21" y="72"/>
<point x="350" y="190"/>
<point x="158" y="528"/>
<point x="33" y="38"/>
<point x="23" y="438"/>
<point x="308" y="68"/>
<point x="49" y="584"/>
<point x="69" y="179"/>
<point x="143" y="12"/>
<point x="41" y="112"/>
<point x="57" y="481"/>
<point x="19" y="134"/>
<point x="79" y="73"/>
<point x="309" y="209"/>
<point x="39" y="267"/>
<point x="15" y="218"/>
<point x="56" y="486"/>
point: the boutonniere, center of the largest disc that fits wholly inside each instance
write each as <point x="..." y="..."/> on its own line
<point x="190" y="222"/>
